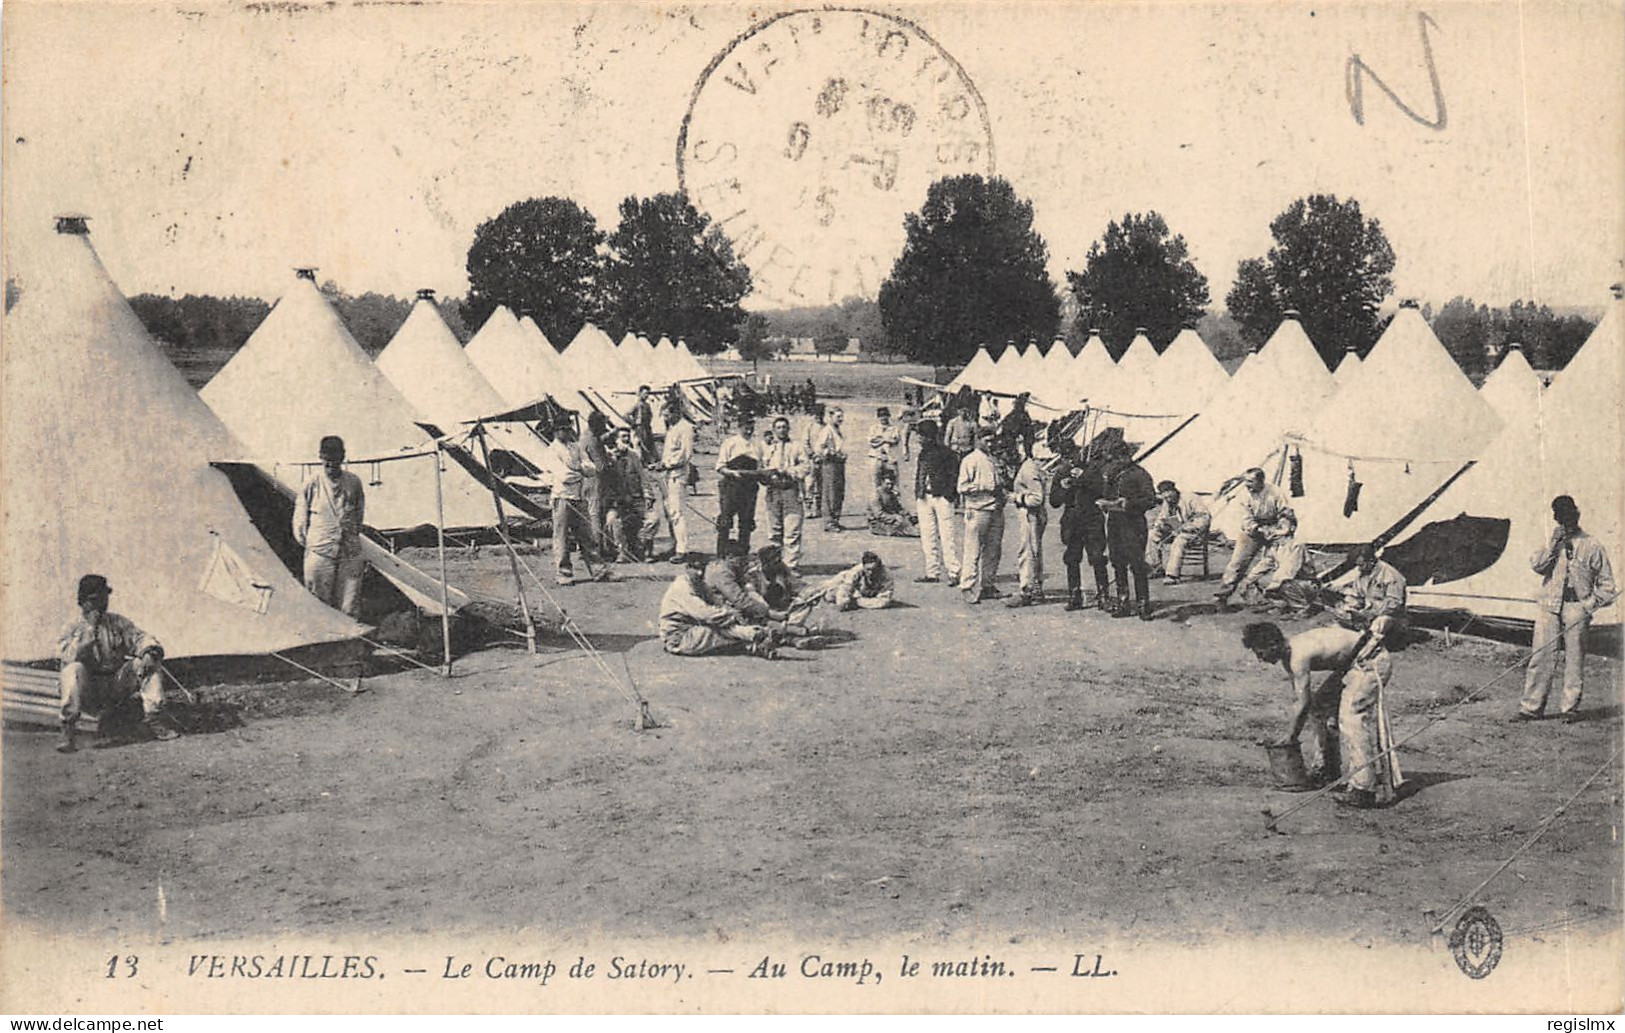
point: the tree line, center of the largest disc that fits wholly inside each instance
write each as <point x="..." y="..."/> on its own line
<point x="973" y="272"/>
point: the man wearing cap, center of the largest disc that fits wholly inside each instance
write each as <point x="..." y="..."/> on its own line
<point x="936" y="490"/>
<point x="1576" y="580"/>
<point x="830" y="448"/>
<point x="107" y="660"/>
<point x="1267" y="518"/>
<point x="642" y="419"/>
<point x="960" y="433"/>
<point x="787" y="467"/>
<point x="1129" y="496"/>
<point x="570" y="519"/>
<point x="327" y="518"/>
<point x="1080" y="484"/>
<point x="738" y="461"/>
<point x="676" y="452"/>
<point x="624" y="501"/>
<point x="883" y="446"/>
<point x="1178" y="523"/>
<point x="1030" y="493"/>
<point x="982" y="492"/>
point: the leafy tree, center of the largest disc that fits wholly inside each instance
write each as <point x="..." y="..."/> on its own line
<point x="972" y="271"/>
<point x="1138" y="274"/>
<point x="371" y="318"/>
<point x="753" y="346"/>
<point x="831" y="340"/>
<point x="1331" y="264"/>
<point x="199" y="333"/>
<point x="672" y="272"/>
<point x="540" y="258"/>
<point x="1464" y="330"/>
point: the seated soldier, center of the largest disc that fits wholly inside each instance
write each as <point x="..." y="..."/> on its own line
<point x="866" y="586"/>
<point x="694" y="622"/>
<point x="783" y="588"/>
<point x="887" y="517"/>
<point x="107" y="662"/>
<point x="1178" y="523"/>
<point x="1378" y="590"/>
<point x="733" y="582"/>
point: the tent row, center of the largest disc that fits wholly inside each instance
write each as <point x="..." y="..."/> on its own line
<point x="1386" y="449"/>
<point x="136" y="476"/>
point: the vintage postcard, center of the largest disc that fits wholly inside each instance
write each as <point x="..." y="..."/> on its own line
<point x="1076" y="507"/>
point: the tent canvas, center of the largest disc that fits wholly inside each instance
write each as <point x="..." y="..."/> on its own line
<point x="301" y="376"/>
<point x="1403" y="427"/>
<point x="1574" y="446"/>
<point x="425" y="362"/>
<point x="1513" y="390"/>
<point x="1277" y="391"/>
<point x="128" y="492"/>
<point x="1187" y="376"/>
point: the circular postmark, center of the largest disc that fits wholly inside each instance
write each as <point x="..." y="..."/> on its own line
<point x="810" y="136"/>
<point x="1476" y="943"/>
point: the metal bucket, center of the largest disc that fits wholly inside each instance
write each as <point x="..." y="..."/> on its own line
<point x="1286" y="767"/>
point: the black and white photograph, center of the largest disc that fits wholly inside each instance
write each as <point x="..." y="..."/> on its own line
<point x="526" y="508"/>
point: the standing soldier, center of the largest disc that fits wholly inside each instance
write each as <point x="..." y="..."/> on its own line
<point x="737" y="462"/>
<point x="1130" y="495"/>
<point x="1576" y="580"/>
<point x="787" y="467"/>
<point x="831" y="452"/>
<point x="982" y="492"/>
<point x="327" y="518"/>
<point x="1029" y="493"/>
<point x="1083" y="527"/>
<point x="675" y="454"/>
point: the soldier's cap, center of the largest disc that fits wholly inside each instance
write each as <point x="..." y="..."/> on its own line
<point x="93" y="585"/>
<point x="1163" y="486"/>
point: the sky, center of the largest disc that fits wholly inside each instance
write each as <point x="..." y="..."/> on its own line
<point x="217" y="146"/>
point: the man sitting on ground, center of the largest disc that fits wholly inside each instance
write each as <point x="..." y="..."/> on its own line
<point x="1378" y="590"/>
<point x="694" y="622"/>
<point x="106" y="663"/>
<point x="887" y="517"/>
<point x="733" y="582"/>
<point x="1267" y="518"/>
<point x="866" y="586"/>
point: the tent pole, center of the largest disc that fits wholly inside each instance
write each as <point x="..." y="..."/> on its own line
<point x="513" y="558"/>
<point x="440" y="545"/>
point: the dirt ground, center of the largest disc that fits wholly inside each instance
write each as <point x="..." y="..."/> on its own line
<point x="950" y="771"/>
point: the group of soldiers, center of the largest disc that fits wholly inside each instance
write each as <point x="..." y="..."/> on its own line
<point x="613" y="488"/>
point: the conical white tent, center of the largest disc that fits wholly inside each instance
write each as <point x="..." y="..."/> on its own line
<point x="1574" y="447"/>
<point x="512" y="362"/>
<point x="301" y="376"/>
<point x="1187" y="376"/>
<point x="1049" y="385"/>
<point x="114" y="448"/>
<point x="427" y="365"/>
<point x="1278" y="390"/>
<point x="1513" y="390"/>
<point x="1399" y="430"/>
<point x="976" y="371"/>
<point x="1348" y="367"/>
<point x="691" y="367"/>
<point x="1093" y="373"/>
<point x="1140" y="358"/>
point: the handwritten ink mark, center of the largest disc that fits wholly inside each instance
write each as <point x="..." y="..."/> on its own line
<point x="1354" y="83"/>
